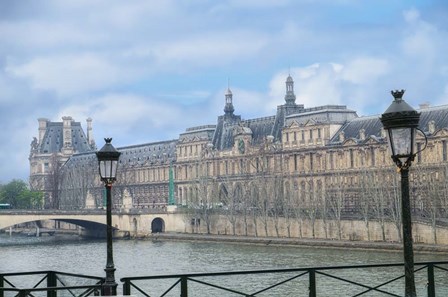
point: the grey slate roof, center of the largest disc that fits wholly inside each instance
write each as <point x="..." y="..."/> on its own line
<point x="438" y="114"/>
<point x="372" y="124"/>
<point x="162" y="152"/>
<point x="53" y="141"/>
<point x="204" y="132"/>
<point x="261" y="127"/>
<point x="223" y="136"/>
<point x="149" y="153"/>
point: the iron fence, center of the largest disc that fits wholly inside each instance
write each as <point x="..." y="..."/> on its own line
<point x="49" y="283"/>
<point x="353" y="280"/>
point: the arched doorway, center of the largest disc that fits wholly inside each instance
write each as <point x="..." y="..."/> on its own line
<point x="134" y="221"/>
<point x="157" y="225"/>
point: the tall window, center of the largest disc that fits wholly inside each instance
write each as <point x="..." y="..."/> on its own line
<point x="372" y="156"/>
<point x="331" y="160"/>
<point x="419" y="154"/>
<point x="311" y="162"/>
<point x="295" y="163"/>
<point x="352" y="161"/>
<point x="444" y="153"/>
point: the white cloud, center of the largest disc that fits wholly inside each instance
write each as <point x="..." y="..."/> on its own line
<point x="211" y="49"/>
<point x="71" y="74"/>
<point x="317" y="84"/>
<point x="38" y="35"/>
<point x="348" y="83"/>
<point x="258" y="3"/>
<point x="364" y="70"/>
<point x="411" y="15"/>
<point x="137" y="119"/>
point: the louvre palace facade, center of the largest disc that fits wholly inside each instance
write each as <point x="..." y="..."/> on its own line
<point x="303" y="163"/>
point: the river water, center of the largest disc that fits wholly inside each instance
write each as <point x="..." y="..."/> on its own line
<point x="147" y="257"/>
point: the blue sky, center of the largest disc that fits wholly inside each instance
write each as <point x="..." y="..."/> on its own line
<point x="145" y="70"/>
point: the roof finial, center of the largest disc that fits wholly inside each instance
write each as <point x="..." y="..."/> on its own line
<point x="228" y="109"/>
<point x="398" y="94"/>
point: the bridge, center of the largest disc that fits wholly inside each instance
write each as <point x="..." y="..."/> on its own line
<point x="93" y="222"/>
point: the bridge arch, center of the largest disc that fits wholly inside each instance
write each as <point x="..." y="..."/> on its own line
<point x="158" y="225"/>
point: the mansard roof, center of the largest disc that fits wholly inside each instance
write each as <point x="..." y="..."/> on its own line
<point x="438" y="114"/>
<point x="53" y="140"/>
<point x="337" y="114"/>
<point x="199" y="133"/>
<point x="261" y="127"/>
<point x="224" y="133"/>
<point x="372" y="125"/>
<point x="162" y="152"/>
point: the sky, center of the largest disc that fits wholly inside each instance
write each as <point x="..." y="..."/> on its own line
<point x="145" y="70"/>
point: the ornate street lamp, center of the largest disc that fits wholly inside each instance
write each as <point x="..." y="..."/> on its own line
<point x="108" y="162"/>
<point x="401" y="122"/>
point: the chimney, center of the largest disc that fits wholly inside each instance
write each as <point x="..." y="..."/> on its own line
<point x="424" y="105"/>
<point x="67" y="131"/>
<point x="89" y="131"/>
<point x="362" y="134"/>
<point x="42" y="128"/>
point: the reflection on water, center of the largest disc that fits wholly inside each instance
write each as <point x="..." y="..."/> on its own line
<point x="146" y="257"/>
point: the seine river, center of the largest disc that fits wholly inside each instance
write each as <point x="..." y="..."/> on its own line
<point x="147" y="257"/>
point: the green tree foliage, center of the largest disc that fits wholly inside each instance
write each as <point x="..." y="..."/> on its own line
<point x="17" y="194"/>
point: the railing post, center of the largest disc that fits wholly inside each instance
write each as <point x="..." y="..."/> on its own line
<point x="312" y="287"/>
<point x="431" y="283"/>
<point x="127" y="287"/>
<point x="183" y="286"/>
<point x="51" y="282"/>
<point x="1" y="285"/>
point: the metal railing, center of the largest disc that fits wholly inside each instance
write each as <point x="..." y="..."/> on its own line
<point x="351" y="280"/>
<point x="49" y="282"/>
<point x="359" y="280"/>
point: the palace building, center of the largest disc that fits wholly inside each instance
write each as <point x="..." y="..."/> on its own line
<point x="308" y="161"/>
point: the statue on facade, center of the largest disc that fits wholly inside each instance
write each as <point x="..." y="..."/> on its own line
<point x="34" y="144"/>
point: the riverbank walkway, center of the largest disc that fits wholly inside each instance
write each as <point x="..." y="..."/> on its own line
<point x="305" y="242"/>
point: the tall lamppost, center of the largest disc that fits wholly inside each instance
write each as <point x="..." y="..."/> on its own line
<point x="108" y="162"/>
<point x="401" y="122"/>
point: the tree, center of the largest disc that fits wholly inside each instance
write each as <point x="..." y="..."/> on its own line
<point x="366" y="197"/>
<point x="379" y="204"/>
<point x="17" y="194"/>
<point x="204" y="201"/>
<point x="336" y="201"/>
<point x="429" y="194"/>
<point x="394" y="199"/>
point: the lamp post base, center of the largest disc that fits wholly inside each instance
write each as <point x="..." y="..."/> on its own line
<point x="109" y="285"/>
